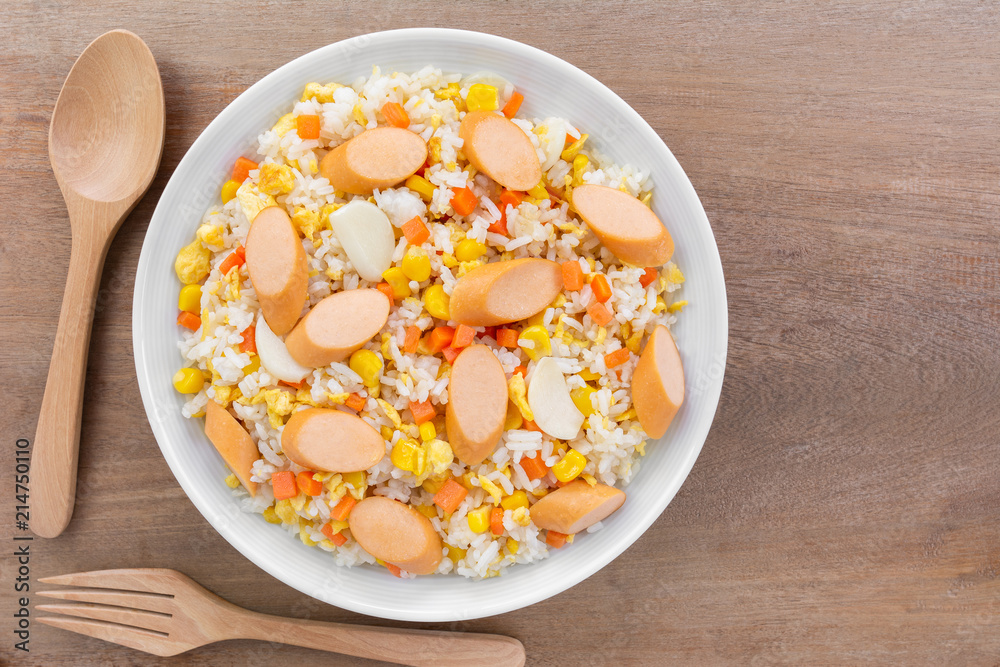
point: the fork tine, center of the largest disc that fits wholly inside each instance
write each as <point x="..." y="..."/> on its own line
<point x="149" y="620"/>
<point x="128" y="579"/>
<point x="143" y="640"/>
<point x="143" y="601"/>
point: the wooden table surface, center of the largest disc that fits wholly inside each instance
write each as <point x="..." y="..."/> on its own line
<point x="845" y="506"/>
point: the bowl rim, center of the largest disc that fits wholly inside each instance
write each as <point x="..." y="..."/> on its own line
<point x="709" y="393"/>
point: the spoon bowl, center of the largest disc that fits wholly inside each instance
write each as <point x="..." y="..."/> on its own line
<point x="105" y="143"/>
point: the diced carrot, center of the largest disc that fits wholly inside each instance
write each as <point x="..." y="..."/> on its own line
<point x="242" y="169"/>
<point x="189" y="320"/>
<point x="648" y="276"/>
<point x="464" y="335"/>
<point x="451" y="353"/>
<point x="491" y="332"/>
<point x="529" y="425"/>
<point x="554" y="539"/>
<point x="307" y="127"/>
<point x="394" y="571"/>
<point x="237" y="258"/>
<point x="336" y="538"/>
<point x="293" y="385"/>
<point x="572" y="275"/>
<point x="496" y="521"/>
<point x="599" y="313"/>
<point x="521" y="370"/>
<point x="464" y="201"/>
<point x="356" y="402"/>
<point x="342" y="509"/>
<point x="415" y="230"/>
<point x="249" y="343"/>
<point x="283" y="483"/>
<point x="307" y="485"/>
<point x="499" y="226"/>
<point x="396" y="115"/>
<point x="412" y="339"/>
<point x="386" y="289"/>
<point x="450" y="496"/>
<point x="616" y="358"/>
<point x="513" y="104"/>
<point x="534" y="468"/>
<point x="511" y="198"/>
<point x="422" y="411"/>
<point x="507" y="338"/>
<point x="439" y="338"/>
<point x="560" y="484"/>
<point x="602" y="290"/>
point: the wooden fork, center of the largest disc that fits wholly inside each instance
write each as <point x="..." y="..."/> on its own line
<point x="165" y="613"/>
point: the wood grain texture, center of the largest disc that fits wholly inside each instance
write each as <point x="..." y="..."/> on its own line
<point x="844" y="508"/>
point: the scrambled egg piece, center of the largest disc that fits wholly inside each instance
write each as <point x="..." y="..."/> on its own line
<point x="225" y="394"/>
<point x="252" y="201"/>
<point x="439" y="456"/>
<point x="519" y="396"/>
<point x="284" y="510"/>
<point x="434" y="147"/>
<point x="192" y="264"/>
<point x="391" y="413"/>
<point x="233" y="278"/>
<point x="304" y="536"/>
<point x="323" y="94"/>
<point x="232" y="481"/>
<point x="521" y="516"/>
<point x="674" y="274"/>
<point x="306" y="221"/>
<point x="304" y="397"/>
<point x="210" y="235"/>
<point x="279" y="405"/>
<point x="490" y="488"/>
<point x="275" y="179"/>
<point x="285" y="124"/>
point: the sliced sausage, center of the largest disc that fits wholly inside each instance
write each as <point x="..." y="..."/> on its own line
<point x="576" y="506"/>
<point x="278" y="269"/>
<point x="374" y="160"/>
<point x="331" y="440"/>
<point x="500" y="149"/>
<point x="658" y="383"/>
<point x="396" y="533"/>
<point x="502" y="292"/>
<point x="477" y="404"/>
<point x="338" y="325"/>
<point x="626" y="226"/>
<point x="233" y="443"/>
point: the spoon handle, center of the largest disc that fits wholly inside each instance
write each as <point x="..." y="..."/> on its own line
<point x="57" y="437"/>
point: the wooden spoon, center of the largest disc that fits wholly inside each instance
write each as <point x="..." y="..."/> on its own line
<point x="105" y="143"/>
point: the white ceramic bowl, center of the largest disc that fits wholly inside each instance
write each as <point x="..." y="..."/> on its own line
<point x="551" y="87"/>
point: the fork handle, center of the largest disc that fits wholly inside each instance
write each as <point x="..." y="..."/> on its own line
<point x="406" y="647"/>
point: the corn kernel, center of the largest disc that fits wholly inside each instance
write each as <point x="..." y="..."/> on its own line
<point x="427" y="431"/>
<point x="541" y="343"/>
<point x="421" y="186"/>
<point x="470" y="250"/>
<point x="514" y="420"/>
<point x="427" y="510"/>
<point x="589" y="375"/>
<point x="479" y="519"/>
<point x="355" y="479"/>
<point x="569" y="466"/>
<point x="539" y="192"/>
<point x="437" y="302"/>
<point x="229" y="189"/>
<point x="416" y="265"/>
<point x="190" y="299"/>
<point x="581" y="399"/>
<point x="517" y="499"/>
<point x="270" y="516"/>
<point x="512" y="546"/>
<point x="482" y="97"/>
<point x="189" y="381"/>
<point x="368" y="365"/>
<point x="455" y="554"/>
<point x="434" y="484"/>
<point x="253" y="366"/>
<point x="397" y="281"/>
